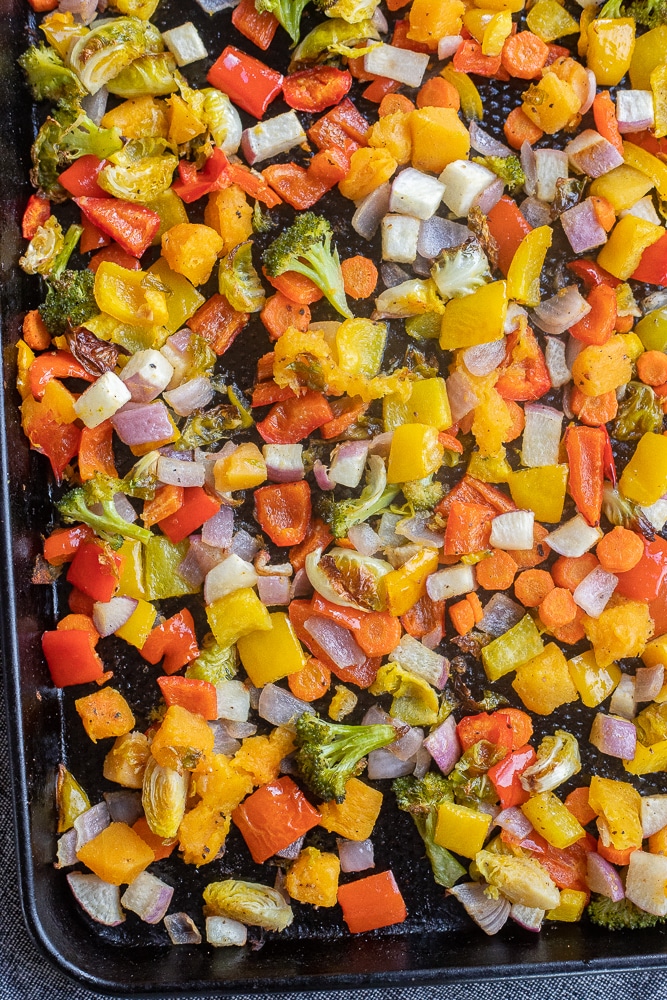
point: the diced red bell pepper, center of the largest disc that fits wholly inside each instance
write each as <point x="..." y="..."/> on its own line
<point x="92" y="238"/>
<point x="610" y="473"/>
<point x="62" y="544"/>
<point x="175" y="640"/>
<point x="317" y="88"/>
<point x="506" y="773"/>
<point x="249" y="83"/>
<point x="377" y="633"/>
<point x="591" y="273"/>
<point x="37" y="211"/>
<point x="400" y="39"/>
<point x="326" y="134"/>
<point x="95" y="571"/>
<point x="79" y="603"/>
<point x="71" y="658"/>
<point x="54" y="364"/>
<point x="347" y="411"/>
<point x="318" y="536"/>
<point x="267" y="393"/>
<point x="302" y="188"/>
<point x="294" y="419"/>
<point x="253" y="184"/>
<point x="371" y="902"/>
<point x="80" y="179"/>
<point x="526" y="378"/>
<point x="492" y="728"/>
<point x="469" y="490"/>
<point x="598" y="325"/>
<point x="218" y="323"/>
<point x="648" y="579"/>
<point x="132" y="226"/>
<point x="192" y="184"/>
<point x="196" y="696"/>
<point x="362" y="676"/>
<point x="274" y="817"/>
<point x="257" y="28"/>
<point x="468" y="528"/>
<point x="350" y="120"/>
<point x="585" y="448"/>
<point x="508" y="227"/>
<point x="379" y="88"/>
<point x="197" y="507"/>
<point x="567" y="866"/>
<point x="59" y="442"/>
<point x="469" y="58"/>
<point x="653" y="264"/>
<point x="283" y="511"/>
<point x="116" y="255"/>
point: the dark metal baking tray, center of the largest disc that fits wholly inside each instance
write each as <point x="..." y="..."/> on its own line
<point x="436" y="944"/>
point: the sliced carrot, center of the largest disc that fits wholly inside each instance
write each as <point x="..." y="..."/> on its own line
<point x="528" y="558"/>
<point x="571" y="633"/>
<point x="518" y="128"/>
<point x="438" y="93"/>
<point x="35" y="334"/>
<point x="296" y="287"/>
<point x="606" y="122"/>
<point x="524" y="55"/>
<point x="620" y="550"/>
<point x="518" y="420"/>
<point x="532" y="586"/>
<point x="569" y="571"/>
<point x="593" y="411"/>
<point x="360" y="276"/>
<point x="497" y="572"/>
<point x="615" y="856"/>
<point x="651" y="367"/>
<point x="279" y="313"/>
<point x="558" y="608"/>
<point x="394" y="104"/>
<point x="624" y="324"/>
<point x="462" y="616"/>
<point x="520" y="723"/>
<point x="311" y="682"/>
<point x="41" y="6"/>
<point x="578" y="804"/>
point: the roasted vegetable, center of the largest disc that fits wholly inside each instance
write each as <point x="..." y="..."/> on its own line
<point x="329" y="754"/>
<point x="44" y="248"/>
<point x="208" y="427"/>
<point x="469" y="778"/>
<point x="69" y="299"/>
<point x="651" y="724"/>
<point x="67" y="134"/>
<point x="140" y="172"/>
<point x="460" y="270"/>
<point x="557" y="760"/>
<point x="109" y="47"/>
<point x="335" y="37"/>
<point x="620" y="916"/>
<point x="151" y="75"/>
<point x="639" y="413"/>
<point x="508" y="168"/>
<point x="75" y="507"/>
<point x="626" y="513"/>
<point x="650" y="13"/>
<point x="351" y="11"/>
<point x="239" y="282"/>
<point x="215" y="663"/>
<point x="375" y="497"/>
<point x="248" y="902"/>
<point x="421" y="797"/>
<point x="164" y="794"/>
<point x="48" y="77"/>
<point x="423" y="494"/>
<point x="287" y="12"/>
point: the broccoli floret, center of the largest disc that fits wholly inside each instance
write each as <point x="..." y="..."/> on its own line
<point x="329" y="754"/>
<point x="650" y="13"/>
<point x="376" y="496"/>
<point x="69" y="298"/>
<point x="76" y="505"/>
<point x="287" y="12"/>
<point x="421" y="797"/>
<point x="306" y="247"/>
<point x="613" y="8"/>
<point x="67" y="134"/>
<point x="508" y="168"/>
<point x="262" y="222"/>
<point x="423" y="494"/>
<point x="48" y="77"/>
<point x="460" y="270"/>
<point x="620" y="916"/>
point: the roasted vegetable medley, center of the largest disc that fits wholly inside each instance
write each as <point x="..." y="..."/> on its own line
<point x="362" y="569"/>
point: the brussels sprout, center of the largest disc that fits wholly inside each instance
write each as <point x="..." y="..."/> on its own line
<point x="43" y="248"/>
<point x="411" y="298"/>
<point x="223" y="120"/>
<point x="460" y="270"/>
<point x="651" y="724"/>
<point x="469" y="778"/>
<point x="522" y="880"/>
<point x="557" y="760"/>
<point x="335" y="37"/>
<point x="163" y="797"/>
<point x="638" y="414"/>
<point x="109" y="47"/>
<point x="249" y="903"/>
<point x="215" y="663"/>
<point x="150" y="75"/>
<point x="133" y="177"/>
<point x="345" y="577"/>
<point x="126" y="761"/>
<point x="239" y="282"/>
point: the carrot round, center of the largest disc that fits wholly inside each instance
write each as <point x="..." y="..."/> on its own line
<point x="593" y="411"/>
<point x="438" y="93"/>
<point x="532" y="586"/>
<point x="573" y="632"/>
<point x="497" y="572"/>
<point x="518" y="129"/>
<point x="279" y="313"/>
<point x="393" y="104"/>
<point x="462" y="616"/>
<point x="604" y="113"/>
<point x="651" y="367"/>
<point x="476" y="605"/>
<point x="311" y="682"/>
<point x="558" y="608"/>
<point x="528" y="558"/>
<point x="360" y="276"/>
<point x="524" y="55"/>
<point x="568" y="571"/>
<point x="620" y="550"/>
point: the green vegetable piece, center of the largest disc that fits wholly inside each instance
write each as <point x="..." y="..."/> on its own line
<point x="66" y="135"/>
<point x="329" y="754"/>
<point x="351" y="11"/>
<point x="148" y="76"/>
<point x="161" y="575"/>
<point x="469" y="779"/>
<point x="215" y="663"/>
<point x="376" y="496"/>
<point x="335" y="37"/>
<point x="518" y="645"/>
<point x="248" y="902"/>
<point x="639" y="413"/>
<point x="421" y="797"/>
<point x="287" y="12"/>
<point x="111" y="45"/>
<point x="48" y="77"/>
<point x="69" y="298"/>
<point x="626" y="513"/>
<point x="208" y="427"/>
<point x="650" y="13"/>
<point x="557" y="760"/>
<point x="620" y="916"/>
<point x="425" y="327"/>
<point x="43" y="249"/>
<point x="508" y="168"/>
<point x="239" y="281"/>
<point x="140" y="172"/>
<point x="460" y="270"/>
<point x="109" y="525"/>
<point x="71" y="799"/>
<point x="423" y="494"/>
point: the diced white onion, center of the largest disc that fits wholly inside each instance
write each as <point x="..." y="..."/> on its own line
<point x="453" y="581"/>
<point x="382" y="764"/>
<point x="614" y="736"/>
<point x="415" y="657"/>
<point x="111" y="615"/>
<point x="284" y="462"/>
<point x="401" y="65"/>
<point x="513" y="530"/>
<point x="557" y="366"/>
<point x="274" y="591"/>
<point x="233" y="573"/>
<point x="488" y="913"/>
<point x="448" y="46"/>
<point x="185" y="43"/>
<point x="124" y="806"/>
<point x="443" y="745"/>
<point x="90" y="823"/>
<point x="645" y="882"/>
<point x="355" y="855"/>
<point x="338" y="642"/>
<point x="594" y="592"/>
<point x="272" y="137"/>
<point x="541" y="435"/>
<point x="189" y="396"/>
<point x="623" y="700"/>
<point x="177" y="473"/>
<point x="562" y="310"/>
<point x="100" y="900"/>
<point x="149" y="897"/>
<point x="461" y="394"/>
<point x="437" y="234"/>
<point x="573" y="538"/>
<point x="223" y="932"/>
<point x="348" y="461"/>
<point x="653" y="813"/>
<point x="365" y="539"/>
<point x="280" y="707"/>
<point x="482" y="359"/>
<point x="219" y="529"/>
<point x="589" y="153"/>
<point x="233" y="701"/>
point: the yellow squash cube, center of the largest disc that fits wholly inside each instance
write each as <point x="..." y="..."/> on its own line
<point x="438" y="137"/>
<point x="620" y="805"/>
<point x="192" y="250"/>
<point x="393" y="134"/>
<point x="571" y="906"/>
<point x="268" y="656"/>
<point x="597" y="370"/>
<point x="551" y="103"/>
<point x="369" y="168"/>
<point x="622" y="187"/>
<point x="553" y="820"/>
<point x="475" y="319"/>
<point x="544" y="683"/>
<point x="202" y="833"/>
<point x="402" y="588"/>
<point x="313" y="877"/>
<point x="431" y="20"/>
<point x="655" y="652"/>
<point x="229" y="213"/>
<point x="621" y="630"/>
<point x="354" y="818"/>
<point x="461" y="829"/>
<point x="184" y="124"/>
<point x="415" y="453"/>
<point x="117" y="854"/>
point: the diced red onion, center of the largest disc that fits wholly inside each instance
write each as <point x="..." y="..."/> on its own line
<point x="83" y="10"/>
<point x="338" y="642"/>
<point x="582" y="227"/>
<point x="124" y="807"/>
<point x="301" y="585"/>
<point x="573" y="349"/>
<point x="284" y="462"/>
<point x="443" y="745"/>
<point x="462" y="397"/>
<point x="365" y="540"/>
<point x="489" y="914"/>
<point x="124" y="508"/>
<point x="602" y="877"/>
<point x="100" y="900"/>
<point x="219" y="529"/>
<point x="292" y="851"/>
<point x="190" y="396"/>
<point x="561" y="311"/>
<point x="111" y="615"/>
<point x="484" y="143"/>
<point x="66" y="850"/>
<point x="529" y="167"/>
<point x="149" y="897"/>
<point x="382" y="764"/>
<point x="501" y="614"/>
<point x="376" y="716"/>
<point x="407" y="746"/>
<point x="536" y="213"/>
<point x="489" y="197"/>
<point x="554" y="355"/>
<point x="592" y="90"/>
<point x="206" y="555"/>
<point x="142" y="423"/>
<point x="484" y="358"/>
<point x="321" y="473"/>
<point x="541" y="435"/>
<point x="95" y="105"/>
<point x="379" y="21"/>
<point x="370" y="211"/>
<point x="355" y="855"/>
<point x="614" y="736"/>
<point x="280" y="707"/>
<point x="423" y="762"/>
<point x="437" y="234"/>
<point x="448" y="46"/>
<point x="514" y="821"/>
<point x="634" y="110"/>
<point x="274" y="591"/>
<point x="244" y="545"/>
<point x="416" y="529"/>
<point x="594" y="592"/>
<point x="181" y="929"/>
<point x="433" y="639"/>
<point x="528" y="917"/>
<point x="648" y="682"/>
<point x="347" y="463"/>
<point x="381" y="444"/>
<point x="175" y="472"/>
<point x="392" y="275"/>
<point x="623" y="700"/>
<point x="589" y="153"/>
<point x="90" y="823"/>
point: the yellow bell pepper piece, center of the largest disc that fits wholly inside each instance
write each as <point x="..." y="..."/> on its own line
<point x="597" y="370"/>
<point x="549" y="21"/>
<point x="649" y="164"/>
<point x="588" y="15"/>
<point x="429" y="404"/>
<point x="438" y="137"/>
<point x="461" y="829"/>
<point x="236" y="615"/>
<point x="476" y="21"/>
<point x="59" y="401"/>
<point x="551" y="103"/>
<point x="627" y="241"/>
<point x="244" y="469"/>
<point x="633" y="344"/>
<point x="128" y="297"/>
<point x="489" y="468"/>
<point x="620" y="805"/>
<point x="553" y="820"/>
<point x="360" y="344"/>
<point x="229" y="213"/>
<point x="475" y="319"/>
<point x="172" y="213"/>
<point x="544" y="683"/>
<point x="161" y="577"/>
<point x="541" y="490"/>
<point x="593" y="682"/>
<point x="611" y="42"/>
<point x="25" y="357"/>
<point x="513" y="6"/>
<point x="659" y="88"/>
<point x="655" y="652"/>
<point x="471" y="101"/>
<point x="570" y="908"/>
<point x="518" y="645"/>
<point x="622" y="187"/>
<point x="652" y="330"/>
<point x="354" y="817"/>
<point x="496" y="32"/>
<point x="523" y="277"/>
<point x="648" y="760"/>
<point x="415" y="702"/>
<point x="184" y="124"/>
<point x="394" y="411"/>
<point x="402" y="588"/>
<point x="644" y="479"/>
<point x="649" y="52"/>
<point x="61" y="30"/>
<point x="269" y="655"/>
<point x="137" y="628"/>
<point x="131" y="582"/>
<point x="139" y="118"/>
<point x="415" y="452"/>
<point x="183" y="301"/>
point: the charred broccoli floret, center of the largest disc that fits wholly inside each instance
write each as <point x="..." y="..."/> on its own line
<point x="650" y="13"/>
<point x="48" y="77"/>
<point x="70" y="298"/>
<point x="67" y="134"/>
<point x="329" y="754"/>
<point x="626" y="513"/>
<point x="340" y="515"/>
<point x="287" y="12"/>
<point x="620" y="916"/>
<point x="423" y="494"/>
<point x="508" y="168"/>
<point x="421" y="797"/>
<point x="306" y="248"/>
<point x="76" y="506"/>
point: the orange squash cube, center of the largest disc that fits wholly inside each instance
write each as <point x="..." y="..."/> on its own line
<point x="117" y="854"/>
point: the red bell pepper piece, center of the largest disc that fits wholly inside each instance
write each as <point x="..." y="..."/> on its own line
<point x="249" y="83"/>
<point x="376" y="632"/>
<point x="609" y="461"/>
<point x="132" y="226"/>
<point x="218" y="323"/>
<point x="492" y="728"/>
<point x="294" y="419"/>
<point x="591" y="273"/>
<point x="363" y="675"/>
<point x="508" y="227"/>
<point x="54" y="364"/>
<point x="318" y="536"/>
<point x="648" y="580"/>
<point x="80" y="179"/>
<point x="606" y="122"/>
<point x="267" y="393"/>
<point x="468" y="528"/>
<point x="598" y="325"/>
<point x="283" y="511"/>
<point x="193" y="184"/>
<point x="371" y="902"/>
<point x="527" y="378"/>
<point x="71" y="658"/>
<point x="302" y="188"/>
<point x="95" y="571"/>
<point x="469" y="490"/>
<point x="653" y="265"/>
<point x="197" y="507"/>
<point x="92" y="238"/>
<point x="352" y="122"/>
<point x="197" y="696"/>
<point x="400" y="39"/>
<point x="274" y="817"/>
<point x="326" y="134"/>
<point x="585" y="448"/>
<point x="567" y="866"/>
<point x="59" y="442"/>
<point x="520" y="724"/>
<point x="505" y="777"/>
<point x="37" y="211"/>
<point x="347" y="411"/>
<point x="252" y="184"/>
<point x="258" y="28"/>
<point x="175" y="640"/>
<point x="469" y="58"/>
<point x="62" y="544"/>
<point x="317" y="88"/>
<point x="423" y="617"/>
<point x="379" y="88"/>
<point x="116" y="255"/>
<point x="79" y="603"/>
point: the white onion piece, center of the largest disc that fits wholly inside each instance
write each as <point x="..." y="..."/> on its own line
<point x="541" y="435"/>
<point x="594" y="592"/>
<point x="529" y="167"/>
<point x="416" y="529"/>
<point x="514" y="821"/>
<point x="338" y="642"/>
<point x="370" y="211"/>
<point x="95" y="105"/>
<point x="387" y="529"/>
<point x="484" y="358"/>
<point x="648" y="682"/>
<point x="417" y="658"/>
<point x="90" y="823"/>
<point x="422" y="762"/>
<point x="623" y="700"/>
<point x="634" y="110"/>
<point x="500" y="614"/>
<point x="528" y="917"/>
<point x="551" y="166"/>
<point x="561" y="311"/>
<point x="355" y="855"/>
<point x="443" y="745"/>
<point x="602" y="877"/>
<point x="592" y="90"/>
<point x="489" y="197"/>
<point x="653" y="813"/>
<point x="462" y="397"/>
<point x="180" y="927"/>
<point x="232" y="574"/>
<point x="233" y="701"/>
<point x="614" y="736"/>
<point x="401" y="65"/>
<point x="484" y="143"/>
<point x="448" y="46"/>
<point x="280" y="707"/>
<point x="219" y="529"/>
<point x="109" y="616"/>
<point x="321" y="473"/>
<point x="559" y="371"/>
<point x="376" y="716"/>
<point x="284" y="462"/>
<point x="489" y="914"/>
<point x="513" y="530"/>
<point x="66" y="850"/>
<point x="383" y="764"/>
<point x="244" y="545"/>
<point x="124" y="807"/>
<point x="100" y="900"/>
<point x="239" y="730"/>
<point x="274" y="591"/>
<point x="149" y="897"/>
<point x="515" y="317"/>
<point x="365" y="540"/>
<point x="381" y="444"/>
<point x="451" y="582"/>
<point x="645" y="882"/>
<point x="437" y="234"/>
<point x="190" y="396"/>
<point x="223" y="932"/>
<point x="573" y="349"/>
<point x="535" y="212"/>
<point x="574" y="537"/>
<point x="379" y="21"/>
<point x="178" y="473"/>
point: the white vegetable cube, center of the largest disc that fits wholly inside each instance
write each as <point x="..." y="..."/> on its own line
<point x="233" y="701"/>
<point x="624" y="701"/>
<point x="551" y="166"/>
<point x="185" y="44"/>
<point x="653" y="813"/>
<point x="146" y="375"/>
<point x="348" y="464"/>
<point x="541" y="436"/>
<point x="574" y="537"/>
<point x="643" y="209"/>
<point x="634" y="110"/>
<point x="401" y="65"/>
<point x="274" y="136"/>
<point x="451" y="582"/>
<point x="415" y="193"/>
<point x="400" y="234"/>
<point x="223" y="932"/>
<point x="464" y="181"/>
<point x="231" y="574"/>
<point x="646" y="883"/>
<point x="513" y="530"/>
<point x="657" y="514"/>
<point x="559" y="370"/>
<point x="101" y="400"/>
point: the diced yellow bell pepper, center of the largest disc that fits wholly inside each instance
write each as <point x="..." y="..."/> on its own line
<point x="415" y="702"/>
<point x="360" y="344"/>
<point x="490" y="468"/>
<point x="172" y="213"/>
<point x="476" y="20"/>
<point x="128" y="297"/>
<point x="268" y="656"/>
<point x="184" y="300"/>
<point x="594" y="683"/>
<point x="475" y="319"/>
<point x="644" y="479"/>
<point x="138" y="626"/>
<point x="496" y="33"/>
<point x="59" y="401"/>
<point x="655" y="652"/>
<point x="549" y="20"/>
<point x="461" y="829"/>
<point x="184" y="124"/>
<point x="648" y="760"/>
<point x="553" y="820"/>
<point x="659" y="88"/>
<point x="429" y="404"/>
<point x="415" y="452"/>
<point x="523" y="277"/>
<point x="518" y="645"/>
<point x="438" y="137"/>
<point x="513" y="6"/>
<point x="244" y="469"/>
<point x="354" y="818"/>
<point x="431" y="20"/>
<point x="571" y="906"/>
<point x="369" y="168"/>
<point x="623" y="629"/>
<point x="131" y="582"/>
<point x="649" y="164"/>
<point x="633" y="345"/>
<point x="611" y="42"/>
<point x="551" y="103"/>
<point x="622" y="187"/>
<point x="652" y="330"/>
<point x="229" y="213"/>
<point x="627" y="241"/>
<point x="139" y="118"/>
<point x="236" y="615"/>
<point x="620" y="805"/>
<point x="541" y="490"/>
<point x="402" y="588"/>
<point x="313" y="877"/>
<point x="393" y="134"/>
<point x="588" y="15"/>
<point x="192" y="250"/>
<point x="471" y="101"/>
<point x="25" y="357"/>
<point x="544" y="683"/>
<point x="161" y="577"/>
<point x="597" y="370"/>
<point x="649" y="52"/>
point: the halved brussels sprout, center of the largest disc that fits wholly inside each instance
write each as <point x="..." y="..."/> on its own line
<point x="249" y="902"/>
<point x="163" y="797"/>
<point x="223" y="120"/>
<point x="139" y="180"/>
<point x="335" y="37"/>
<point x="109" y="47"/>
<point x="43" y="248"/>
<point x="71" y="799"/>
<point x="238" y="280"/>
<point x="345" y="577"/>
<point x="126" y="761"/>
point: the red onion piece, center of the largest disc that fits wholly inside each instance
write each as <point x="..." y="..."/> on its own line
<point x="448" y="46"/>
<point x="239" y="730"/>
<point x="554" y="355"/>
<point x="190" y="396"/>
<point x="501" y="613"/>
<point x="514" y="821"/>
<point x="416" y="529"/>
<point x="408" y="745"/>
<point x="223" y="742"/>
<point x="66" y="850"/>
<point x="365" y="540"/>
<point x="648" y="682"/>
<point x="219" y="529"/>
<point x="592" y="90"/>
<point x="381" y="444"/>
<point x="321" y="473"/>
<point x="623" y="700"/>
<point x="95" y="105"/>
<point x="484" y="143"/>
<point x="284" y="462"/>
<point x="589" y="153"/>
<point x="301" y="586"/>
<point x="292" y="851"/>
<point x="280" y="707"/>
<point x="336" y="641"/>
<point x="602" y="877"/>
<point x="83" y="10"/>
<point x="536" y="212"/>
<point x="561" y="311"/>
<point x="274" y="591"/>
<point x="347" y="463"/>
<point x="422" y="761"/>
<point x="582" y="228"/>
<point x="149" y="897"/>
<point x="206" y="556"/>
<point x="382" y="764"/>
<point x="124" y="807"/>
<point x="551" y="167"/>
<point x="370" y="211"/>
<point x="432" y="640"/>
<point x="110" y="616"/>
<point x="355" y="855"/>
<point x="90" y="823"/>
<point x="529" y="167"/>
<point x="142" y="423"/>
<point x="489" y="914"/>
<point x="462" y="397"/>
<point x="124" y="507"/>
<point x="100" y="900"/>
<point x="379" y="21"/>
<point x="181" y="929"/>
<point x="443" y="745"/>
<point x="245" y="545"/>
<point x="437" y="234"/>
<point x="484" y="358"/>
<point x="528" y="917"/>
<point x="614" y="736"/>
<point x="634" y="110"/>
<point x="489" y="197"/>
<point x="176" y="472"/>
<point x="392" y="275"/>
<point x="376" y="716"/>
<point x="594" y="592"/>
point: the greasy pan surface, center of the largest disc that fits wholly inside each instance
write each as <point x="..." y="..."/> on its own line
<point x="437" y="943"/>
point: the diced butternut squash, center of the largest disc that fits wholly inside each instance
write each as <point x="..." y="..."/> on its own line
<point x="393" y="134"/>
<point x="184" y="740"/>
<point x="229" y="213"/>
<point x="260" y="756"/>
<point x="438" y="137"/>
<point x="224" y="785"/>
<point x="192" y="250"/>
<point x="117" y="854"/>
<point x="354" y="817"/>
<point x="431" y="20"/>
<point x="202" y="833"/>
<point x="313" y="878"/>
<point x="369" y="168"/>
<point x="597" y="370"/>
<point x="621" y="630"/>
<point x="544" y="683"/>
<point x="105" y="713"/>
